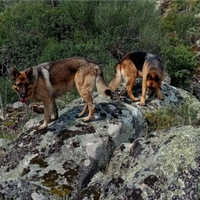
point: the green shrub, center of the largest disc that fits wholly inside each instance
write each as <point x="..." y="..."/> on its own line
<point x="21" y="39"/>
<point x="185" y="114"/>
<point x="183" y="25"/>
<point x="33" y="32"/>
<point x="54" y="51"/>
<point x="181" y="63"/>
<point x="181" y="20"/>
<point x="8" y="95"/>
<point x="129" y="25"/>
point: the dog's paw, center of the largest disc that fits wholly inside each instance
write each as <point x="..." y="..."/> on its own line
<point x="136" y="99"/>
<point x="54" y="117"/>
<point x="41" y="127"/>
<point x="78" y="116"/>
<point x="160" y="96"/>
<point x="142" y="103"/>
<point x="86" y="119"/>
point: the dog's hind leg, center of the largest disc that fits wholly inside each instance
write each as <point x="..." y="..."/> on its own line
<point x="85" y="109"/>
<point x="129" y="87"/>
<point x="88" y="105"/>
<point x="129" y="74"/>
<point x="131" y="81"/>
<point x="86" y="94"/>
<point x="91" y="109"/>
<point x="85" y="83"/>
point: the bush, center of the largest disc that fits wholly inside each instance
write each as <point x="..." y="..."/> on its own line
<point x="54" y="51"/>
<point x="181" y="20"/>
<point x="129" y="25"/>
<point x="185" y="114"/>
<point x="184" y="24"/>
<point x="8" y="95"/>
<point x="22" y="39"/>
<point x="181" y="63"/>
<point x="34" y="32"/>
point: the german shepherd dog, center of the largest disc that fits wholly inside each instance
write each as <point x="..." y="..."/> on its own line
<point x="139" y="64"/>
<point x="48" y="81"/>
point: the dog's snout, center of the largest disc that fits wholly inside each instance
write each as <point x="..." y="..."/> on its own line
<point x="23" y="95"/>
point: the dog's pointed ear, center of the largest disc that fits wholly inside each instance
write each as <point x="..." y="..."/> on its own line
<point x="14" y="74"/>
<point x="29" y="73"/>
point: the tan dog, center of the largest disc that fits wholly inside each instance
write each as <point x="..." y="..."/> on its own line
<point x="48" y="81"/>
<point x="139" y="64"/>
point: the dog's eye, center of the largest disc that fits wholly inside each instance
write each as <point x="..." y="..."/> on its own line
<point x="149" y="77"/>
<point x="17" y="85"/>
<point x="156" y="79"/>
<point x="28" y="84"/>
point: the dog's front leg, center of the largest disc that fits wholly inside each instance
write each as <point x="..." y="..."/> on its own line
<point x="159" y="94"/>
<point x="47" y="116"/>
<point x="55" y="111"/>
<point x="144" y="87"/>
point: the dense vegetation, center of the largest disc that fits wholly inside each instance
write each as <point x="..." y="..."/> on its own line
<point x="32" y="32"/>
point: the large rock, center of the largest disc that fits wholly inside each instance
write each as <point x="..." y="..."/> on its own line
<point x="16" y="106"/>
<point x="107" y="158"/>
<point x="166" y="165"/>
<point x="61" y="160"/>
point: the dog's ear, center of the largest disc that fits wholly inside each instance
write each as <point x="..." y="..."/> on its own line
<point x="14" y="74"/>
<point x="156" y="79"/>
<point x="29" y="73"/>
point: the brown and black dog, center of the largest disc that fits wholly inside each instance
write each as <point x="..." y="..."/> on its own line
<point x="139" y="64"/>
<point x="48" y="81"/>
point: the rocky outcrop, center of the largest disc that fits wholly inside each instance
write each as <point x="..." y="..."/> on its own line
<point x="165" y="165"/>
<point x="63" y="158"/>
<point x="111" y="157"/>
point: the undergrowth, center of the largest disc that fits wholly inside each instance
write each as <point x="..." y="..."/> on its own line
<point x="13" y="125"/>
<point x="184" y="114"/>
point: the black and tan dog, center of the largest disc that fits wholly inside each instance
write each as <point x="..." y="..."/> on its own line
<point x="48" y="81"/>
<point x="139" y="64"/>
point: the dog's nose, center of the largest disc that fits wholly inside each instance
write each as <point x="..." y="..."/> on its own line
<point x="23" y="95"/>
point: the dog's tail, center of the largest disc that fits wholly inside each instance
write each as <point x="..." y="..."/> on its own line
<point x="115" y="82"/>
<point x="101" y="86"/>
